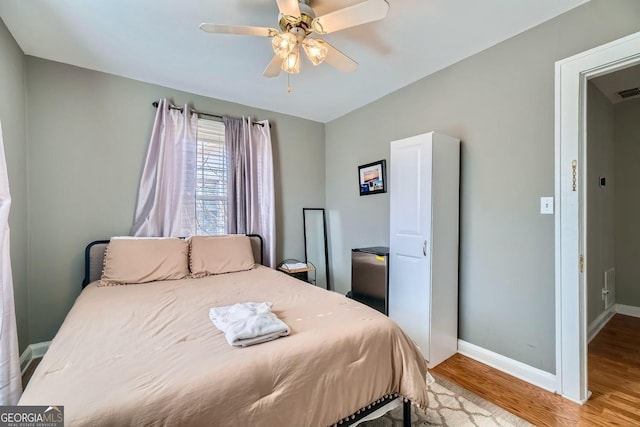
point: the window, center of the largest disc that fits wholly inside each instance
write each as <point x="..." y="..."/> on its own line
<point x="211" y="178"/>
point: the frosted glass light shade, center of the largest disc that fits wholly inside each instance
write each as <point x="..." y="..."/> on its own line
<point x="315" y="50"/>
<point x="291" y="64"/>
<point x="283" y="44"/>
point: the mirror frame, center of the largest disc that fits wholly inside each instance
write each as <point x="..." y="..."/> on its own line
<point x="326" y="248"/>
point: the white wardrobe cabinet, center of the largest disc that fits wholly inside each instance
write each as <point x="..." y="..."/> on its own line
<point x="424" y="184"/>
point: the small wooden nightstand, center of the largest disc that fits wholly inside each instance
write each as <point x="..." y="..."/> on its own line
<point x="299" y="272"/>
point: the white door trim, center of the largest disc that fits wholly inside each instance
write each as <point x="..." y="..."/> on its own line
<point x="570" y="221"/>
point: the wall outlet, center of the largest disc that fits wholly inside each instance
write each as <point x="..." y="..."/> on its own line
<point x="546" y="205"/>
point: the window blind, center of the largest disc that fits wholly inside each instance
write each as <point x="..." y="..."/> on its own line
<point x="211" y="178"/>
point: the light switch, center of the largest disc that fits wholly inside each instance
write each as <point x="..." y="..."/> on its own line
<point x="546" y="205"/>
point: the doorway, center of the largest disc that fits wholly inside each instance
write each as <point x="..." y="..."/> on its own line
<point x="572" y="75"/>
<point x="613" y="238"/>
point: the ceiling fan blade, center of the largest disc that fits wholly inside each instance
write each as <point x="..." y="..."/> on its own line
<point x="274" y="67"/>
<point x="339" y="60"/>
<point x="238" y="29"/>
<point x="289" y="7"/>
<point x="358" y="14"/>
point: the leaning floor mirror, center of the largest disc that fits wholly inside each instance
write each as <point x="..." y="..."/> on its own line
<point x="315" y="244"/>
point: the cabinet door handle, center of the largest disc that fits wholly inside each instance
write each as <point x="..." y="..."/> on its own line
<point x="424" y="248"/>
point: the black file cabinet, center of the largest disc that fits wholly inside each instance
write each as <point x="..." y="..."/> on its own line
<point x="370" y="277"/>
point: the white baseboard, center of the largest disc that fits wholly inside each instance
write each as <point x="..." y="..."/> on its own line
<point x="600" y="322"/>
<point x="579" y="402"/>
<point x="25" y="358"/>
<point x="627" y="310"/>
<point x="33" y="351"/>
<point x="512" y="367"/>
<point x="528" y="373"/>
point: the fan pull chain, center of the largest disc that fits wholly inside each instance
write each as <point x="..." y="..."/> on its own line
<point x="288" y="83"/>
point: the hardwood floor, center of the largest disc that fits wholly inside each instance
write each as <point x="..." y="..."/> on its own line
<point x="29" y="371"/>
<point x="614" y="380"/>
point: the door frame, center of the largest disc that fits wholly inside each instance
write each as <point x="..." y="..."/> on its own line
<point x="571" y="76"/>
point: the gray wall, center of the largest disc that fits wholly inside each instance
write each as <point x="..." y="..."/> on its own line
<point x="88" y="135"/>
<point x="600" y="201"/>
<point x="627" y="201"/>
<point x="12" y="116"/>
<point x="500" y="103"/>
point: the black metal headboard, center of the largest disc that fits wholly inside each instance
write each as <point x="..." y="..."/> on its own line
<point x="94" y="256"/>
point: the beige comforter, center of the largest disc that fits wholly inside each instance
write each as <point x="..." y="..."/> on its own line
<point x="149" y="355"/>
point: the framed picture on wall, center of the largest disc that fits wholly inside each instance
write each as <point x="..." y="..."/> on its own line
<point x="372" y="178"/>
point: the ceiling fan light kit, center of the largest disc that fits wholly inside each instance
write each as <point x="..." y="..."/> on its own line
<point x="283" y="44"/>
<point x="297" y="22"/>
<point x="291" y="63"/>
<point x="316" y="50"/>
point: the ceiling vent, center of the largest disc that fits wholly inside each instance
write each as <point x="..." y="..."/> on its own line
<point x="629" y="93"/>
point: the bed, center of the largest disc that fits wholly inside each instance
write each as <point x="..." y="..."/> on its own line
<point x="147" y="354"/>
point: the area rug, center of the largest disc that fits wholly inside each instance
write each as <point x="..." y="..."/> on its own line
<point x="451" y="405"/>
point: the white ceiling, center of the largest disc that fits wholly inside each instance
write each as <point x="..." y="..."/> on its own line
<point x="158" y="41"/>
<point x="612" y="83"/>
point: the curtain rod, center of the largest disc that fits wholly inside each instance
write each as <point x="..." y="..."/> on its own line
<point x="200" y="113"/>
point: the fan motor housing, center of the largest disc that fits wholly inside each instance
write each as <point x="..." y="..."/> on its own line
<point x="287" y="23"/>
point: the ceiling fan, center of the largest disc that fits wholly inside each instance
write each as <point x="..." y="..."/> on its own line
<point x="297" y="22"/>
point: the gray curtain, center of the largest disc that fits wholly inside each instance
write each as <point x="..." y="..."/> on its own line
<point x="250" y="192"/>
<point x="166" y="199"/>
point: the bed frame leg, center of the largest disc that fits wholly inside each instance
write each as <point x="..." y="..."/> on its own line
<point x="406" y="414"/>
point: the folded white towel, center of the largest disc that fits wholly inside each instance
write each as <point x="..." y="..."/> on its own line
<point x="248" y="323"/>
